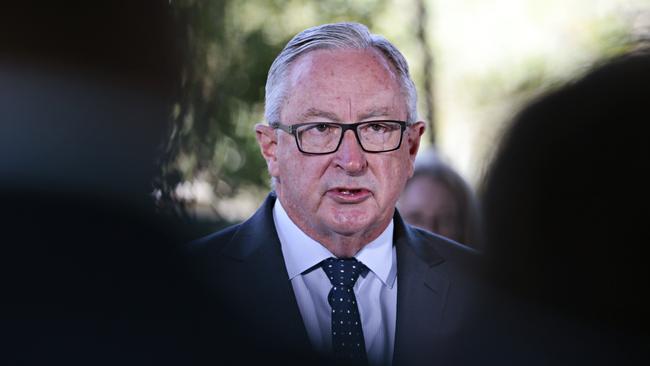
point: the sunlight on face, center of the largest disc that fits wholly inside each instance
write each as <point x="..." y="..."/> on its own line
<point x="349" y="192"/>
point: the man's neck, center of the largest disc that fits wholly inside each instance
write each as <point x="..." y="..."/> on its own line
<point x="344" y="247"/>
<point x="341" y="245"/>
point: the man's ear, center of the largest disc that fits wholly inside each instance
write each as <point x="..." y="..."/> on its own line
<point x="414" y="133"/>
<point x="268" y="141"/>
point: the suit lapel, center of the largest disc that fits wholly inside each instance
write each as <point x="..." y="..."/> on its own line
<point x="264" y="292"/>
<point x="422" y="288"/>
<point x="267" y="296"/>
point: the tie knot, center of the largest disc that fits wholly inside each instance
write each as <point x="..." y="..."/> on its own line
<point x="343" y="272"/>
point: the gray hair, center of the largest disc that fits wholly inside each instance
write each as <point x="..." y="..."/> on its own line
<point x="334" y="36"/>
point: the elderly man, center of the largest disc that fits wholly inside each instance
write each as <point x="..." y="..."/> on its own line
<point x="327" y="265"/>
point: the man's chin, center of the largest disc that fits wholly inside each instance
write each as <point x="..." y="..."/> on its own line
<point x="352" y="226"/>
<point x="351" y="220"/>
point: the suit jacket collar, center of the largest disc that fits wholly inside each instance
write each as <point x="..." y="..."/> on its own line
<point x="422" y="288"/>
<point x="247" y="239"/>
<point x="268" y="298"/>
<point x="254" y="233"/>
<point x="422" y="285"/>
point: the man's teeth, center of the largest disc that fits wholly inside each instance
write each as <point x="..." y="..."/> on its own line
<point x="348" y="192"/>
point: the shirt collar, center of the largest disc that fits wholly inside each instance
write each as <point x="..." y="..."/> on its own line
<point x="379" y="256"/>
<point x="301" y="252"/>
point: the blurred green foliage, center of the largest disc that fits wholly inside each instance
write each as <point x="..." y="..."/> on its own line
<point x="211" y="168"/>
<point x="228" y="47"/>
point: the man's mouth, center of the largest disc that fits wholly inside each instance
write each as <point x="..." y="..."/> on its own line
<point x="348" y="192"/>
<point x="348" y="195"/>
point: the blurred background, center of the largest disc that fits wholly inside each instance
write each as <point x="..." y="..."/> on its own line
<point x="88" y="90"/>
<point x="474" y="63"/>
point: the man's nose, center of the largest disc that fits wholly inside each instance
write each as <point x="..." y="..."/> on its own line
<point x="350" y="156"/>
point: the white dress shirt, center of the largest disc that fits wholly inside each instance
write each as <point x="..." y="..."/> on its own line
<point x="376" y="291"/>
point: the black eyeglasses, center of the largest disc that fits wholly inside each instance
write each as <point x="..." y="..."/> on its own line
<point x="321" y="138"/>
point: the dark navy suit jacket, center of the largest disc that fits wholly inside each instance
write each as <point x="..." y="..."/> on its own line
<point x="258" y="318"/>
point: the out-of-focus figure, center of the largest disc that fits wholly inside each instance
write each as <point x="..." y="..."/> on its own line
<point x="565" y="204"/>
<point x="89" y="274"/>
<point x="438" y="199"/>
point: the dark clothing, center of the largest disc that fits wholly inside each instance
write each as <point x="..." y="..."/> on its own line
<point x="243" y="269"/>
<point x="91" y="281"/>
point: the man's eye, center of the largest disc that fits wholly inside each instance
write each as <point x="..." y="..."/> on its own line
<point x="378" y="127"/>
<point x="321" y="127"/>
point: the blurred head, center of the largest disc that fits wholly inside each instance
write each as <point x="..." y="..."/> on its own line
<point x="565" y="198"/>
<point x="347" y="190"/>
<point x="85" y="95"/>
<point x="439" y="200"/>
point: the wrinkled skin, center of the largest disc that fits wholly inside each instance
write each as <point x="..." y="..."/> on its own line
<point x="345" y="199"/>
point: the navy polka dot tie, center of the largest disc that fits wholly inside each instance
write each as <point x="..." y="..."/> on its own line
<point x="348" y="346"/>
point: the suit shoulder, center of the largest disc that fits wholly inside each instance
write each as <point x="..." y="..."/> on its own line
<point x="213" y="242"/>
<point x="450" y="250"/>
<point x="206" y="257"/>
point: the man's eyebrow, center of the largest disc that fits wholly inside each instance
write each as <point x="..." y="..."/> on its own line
<point x="375" y="112"/>
<point x="315" y="112"/>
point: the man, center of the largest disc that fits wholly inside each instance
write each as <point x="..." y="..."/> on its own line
<point x="327" y="264"/>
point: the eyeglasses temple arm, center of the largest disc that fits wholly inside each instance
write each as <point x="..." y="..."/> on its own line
<point x="282" y="127"/>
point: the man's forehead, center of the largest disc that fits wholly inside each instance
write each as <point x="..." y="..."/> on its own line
<point x="331" y="59"/>
<point x="323" y="81"/>
<point x="369" y="112"/>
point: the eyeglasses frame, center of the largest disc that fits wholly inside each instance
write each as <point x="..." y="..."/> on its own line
<point x="292" y="129"/>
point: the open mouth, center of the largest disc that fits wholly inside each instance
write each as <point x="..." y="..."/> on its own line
<point x="349" y="195"/>
<point x="348" y="192"/>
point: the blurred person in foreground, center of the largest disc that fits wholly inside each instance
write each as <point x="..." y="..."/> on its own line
<point x="89" y="274"/>
<point x="438" y="199"/>
<point x="327" y="267"/>
<point x="566" y="202"/>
